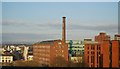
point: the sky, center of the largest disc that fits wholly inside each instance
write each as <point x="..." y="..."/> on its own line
<point x="60" y="0"/>
<point x="37" y="21"/>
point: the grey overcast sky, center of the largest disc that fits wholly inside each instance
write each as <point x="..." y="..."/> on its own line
<point x="36" y="21"/>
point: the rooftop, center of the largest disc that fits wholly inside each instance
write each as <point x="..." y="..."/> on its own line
<point x="7" y="54"/>
<point x="47" y="42"/>
<point x="91" y="42"/>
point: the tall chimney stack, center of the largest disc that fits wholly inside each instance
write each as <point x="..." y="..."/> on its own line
<point x="64" y="30"/>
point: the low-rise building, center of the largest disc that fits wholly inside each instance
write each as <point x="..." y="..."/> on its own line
<point x="6" y="58"/>
<point x="77" y="59"/>
<point x="30" y="57"/>
<point x="76" y="50"/>
<point x="75" y="47"/>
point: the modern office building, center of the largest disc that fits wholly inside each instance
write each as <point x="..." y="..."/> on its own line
<point x="75" y="50"/>
<point x="47" y="52"/>
<point x="75" y="47"/>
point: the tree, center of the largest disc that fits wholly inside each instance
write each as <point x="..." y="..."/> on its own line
<point x="59" y="62"/>
<point x="26" y="63"/>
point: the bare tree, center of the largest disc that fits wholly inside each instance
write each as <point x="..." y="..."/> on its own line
<point x="59" y="62"/>
<point x="26" y="63"/>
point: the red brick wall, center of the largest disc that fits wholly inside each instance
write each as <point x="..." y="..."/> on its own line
<point x="59" y="49"/>
<point x="106" y="59"/>
<point x="115" y="53"/>
<point x="50" y="53"/>
<point x="39" y="53"/>
<point x="101" y="37"/>
<point x="86" y="50"/>
<point x="92" y="51"/>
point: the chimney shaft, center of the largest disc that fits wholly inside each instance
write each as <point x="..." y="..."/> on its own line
<point x="64" y="30"/>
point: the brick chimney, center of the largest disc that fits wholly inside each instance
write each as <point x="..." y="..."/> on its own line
<point x="64" y="30"/>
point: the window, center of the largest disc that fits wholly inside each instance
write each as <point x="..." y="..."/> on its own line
<point x="99" y="48"/>
<point x="92" y="59"/>
<point x="9" y="61"/>
<point x="92" y="52"/>
<point x="88" y="48"/>
<point x="88" y="59"/>
<point x="97" y="57"/>
<point x="83" y="52"/>
<point x="2" y="60"/>
<point x="99" y="53"/>
<point x="88" y="52"/>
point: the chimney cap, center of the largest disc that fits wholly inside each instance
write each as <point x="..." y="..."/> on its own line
<point x="64" y="17"/>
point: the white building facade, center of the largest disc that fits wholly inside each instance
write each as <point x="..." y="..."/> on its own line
<point x="6" y="58"/>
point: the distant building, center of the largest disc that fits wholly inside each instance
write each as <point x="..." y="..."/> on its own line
<point x="75" y="47"/>
<point x="116" y="37"/>
<point x="25" y="53"/>
<point x="87" y="39"/>
<point x="6" y="58"/>
<point x="75" y="50"/>
<point x="77" y="59"/>
<point x="30" y="57"/>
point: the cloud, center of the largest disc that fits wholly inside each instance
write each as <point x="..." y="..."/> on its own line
<point x="100" y="27"/>
<point x="27" y="37"/>
<point x="50" y="24"/>
<point x="57" y="25"/>
<point x="37" y="24"/>
<point x="15" y="23"/>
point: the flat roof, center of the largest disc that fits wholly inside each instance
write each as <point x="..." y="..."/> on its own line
<point x="47" y="42"/>
<point x="6" y="55"/>
<point x="91" y="42"/>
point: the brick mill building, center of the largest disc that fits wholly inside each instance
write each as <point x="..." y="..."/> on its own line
<point x="46" y="52"/>
<point x="103" y="52"/>
<point x="92" y="54"/>
<point x="111" y="52"/>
